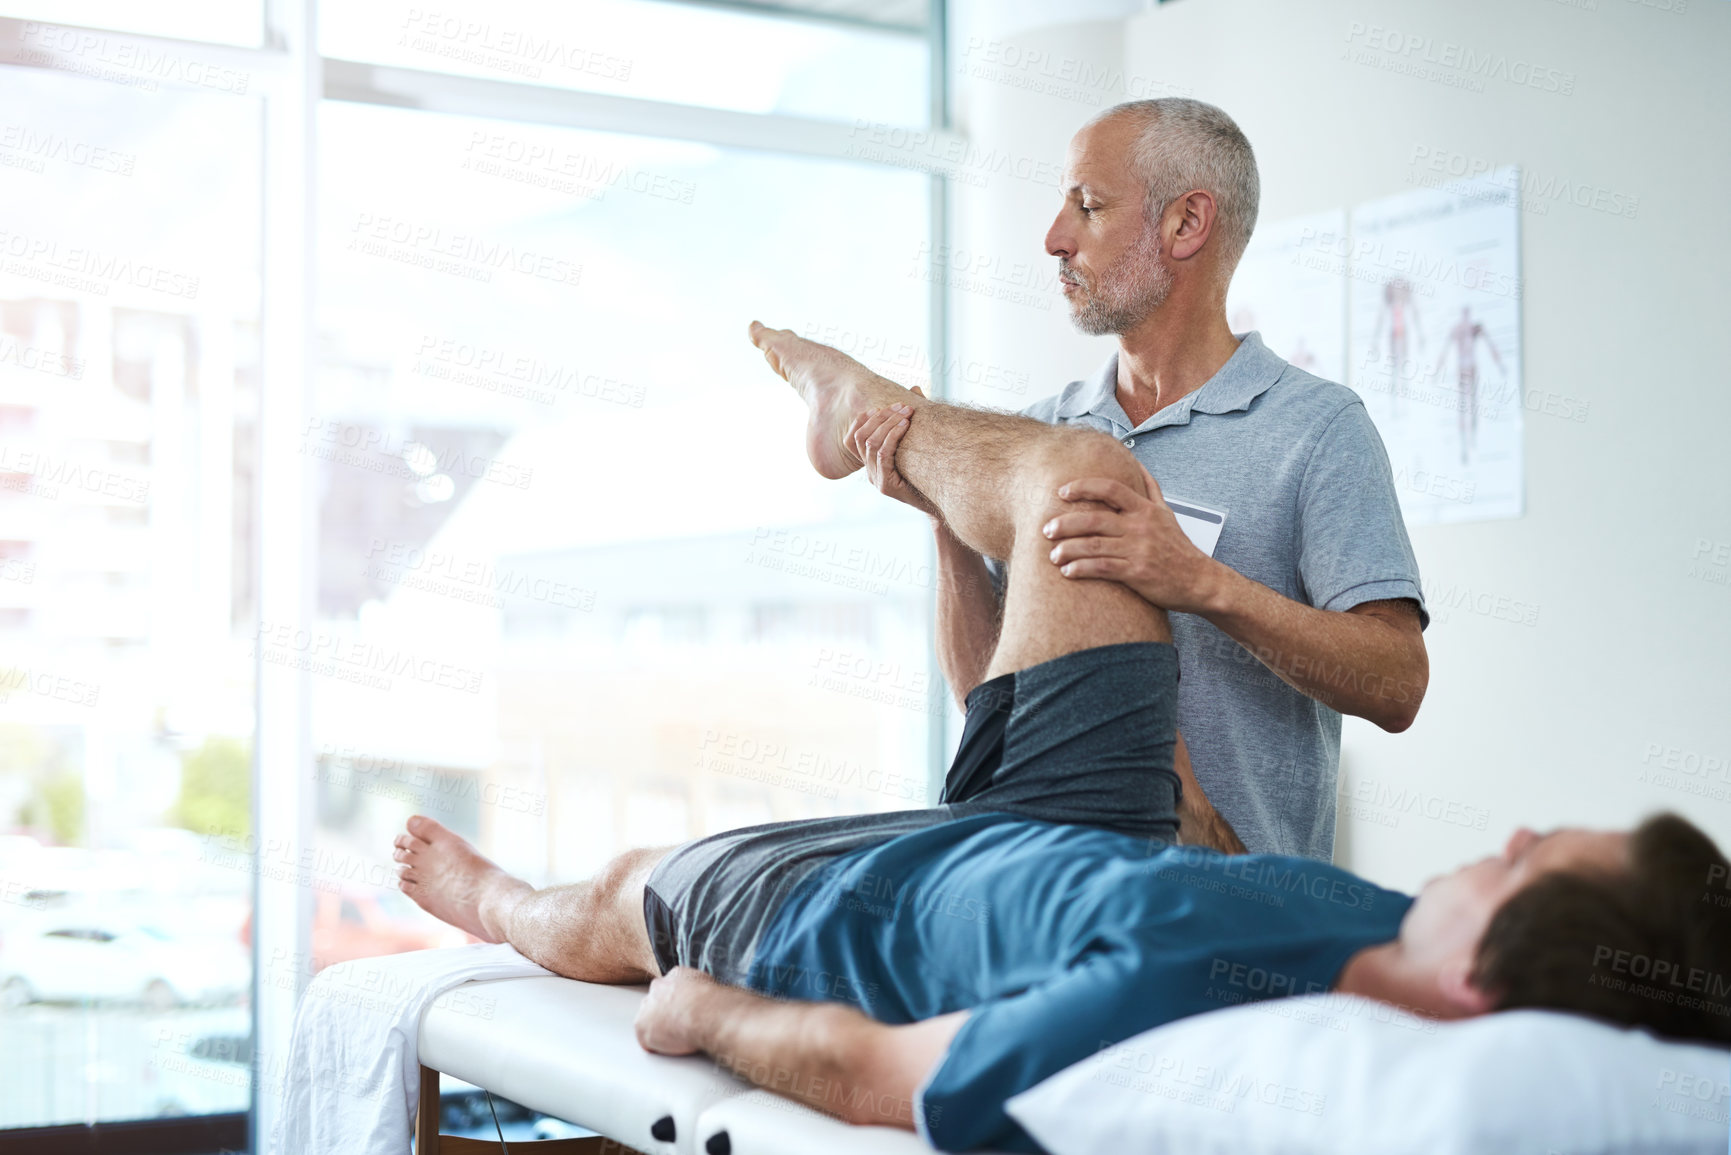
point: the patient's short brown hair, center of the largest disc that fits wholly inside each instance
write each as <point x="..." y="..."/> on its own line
<point x="1647" y="946"/>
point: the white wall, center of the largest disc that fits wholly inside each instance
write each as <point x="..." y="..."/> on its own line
<point x="1534" y="725"/>
<point x="1009" y="321"/>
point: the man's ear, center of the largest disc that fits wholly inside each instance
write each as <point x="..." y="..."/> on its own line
<point x="1455" y="983"/>
<point x="1196" y="211"/>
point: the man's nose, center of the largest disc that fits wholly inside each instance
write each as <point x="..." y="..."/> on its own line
<point x="1058" y="241"/>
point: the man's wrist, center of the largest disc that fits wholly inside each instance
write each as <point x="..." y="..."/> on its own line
<point x="705" y="1013"/>
<point x="1213" y="593"/>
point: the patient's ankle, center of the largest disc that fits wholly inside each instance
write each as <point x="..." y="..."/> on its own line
<point x="499" y="902"/>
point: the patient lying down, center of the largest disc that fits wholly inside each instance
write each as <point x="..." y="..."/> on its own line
<point x="919" y="968"/>
<point x="925" y="980"/>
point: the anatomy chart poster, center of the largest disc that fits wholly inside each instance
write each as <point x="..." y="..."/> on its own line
<point x="1290" y="286"/>
<point x="1435" y="346"/>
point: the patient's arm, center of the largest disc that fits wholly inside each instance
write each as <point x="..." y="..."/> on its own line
<point x="1199" y="824"/>
<point x="825" y="1055"/>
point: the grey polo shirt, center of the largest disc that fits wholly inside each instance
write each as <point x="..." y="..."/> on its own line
<point x="1299" y="471"/>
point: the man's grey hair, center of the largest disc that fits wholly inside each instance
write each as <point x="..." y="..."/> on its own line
<point x="1186" y="144"/>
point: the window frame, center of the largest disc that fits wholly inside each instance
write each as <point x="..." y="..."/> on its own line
<point x="292" y="80"/>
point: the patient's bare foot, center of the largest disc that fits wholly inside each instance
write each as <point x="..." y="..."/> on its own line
<point x="453" y="882"/>
<point x="836" y="388"/>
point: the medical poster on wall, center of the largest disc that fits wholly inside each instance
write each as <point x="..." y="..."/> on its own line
<point x="1435" y="347"/>
<point x="1291" y="287"/>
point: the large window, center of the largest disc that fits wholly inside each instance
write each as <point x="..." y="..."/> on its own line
<point x="549" y="460"/>
<point x="396" y="455"/>
<point x="129" y="293"/>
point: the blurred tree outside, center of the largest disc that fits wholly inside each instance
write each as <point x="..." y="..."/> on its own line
<point x="59" y="808"/>
<point x="40" y="783"/>
<point x="216" y="788"/>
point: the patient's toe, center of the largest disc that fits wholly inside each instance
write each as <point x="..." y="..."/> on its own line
<point x="422" y="827"/>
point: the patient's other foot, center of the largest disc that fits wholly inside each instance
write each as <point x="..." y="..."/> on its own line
<point x="834" y="386"/>
<point x="453" y="882"/>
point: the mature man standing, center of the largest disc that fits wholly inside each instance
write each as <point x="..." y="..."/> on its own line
<point x="1309" y="606"/>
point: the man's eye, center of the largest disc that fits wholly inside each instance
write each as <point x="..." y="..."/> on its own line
<point x="1089" y="208"/>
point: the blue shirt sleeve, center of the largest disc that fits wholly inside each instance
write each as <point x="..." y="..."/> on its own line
<point x="1012" y="1043"/>
<point x="1353" y="545"/>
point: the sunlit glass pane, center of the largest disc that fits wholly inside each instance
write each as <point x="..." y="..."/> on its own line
<point x="128" y="394"/>
<point x="239" y="22"/>
<point x="687" y="54"/>
<point x="558" y="482"/>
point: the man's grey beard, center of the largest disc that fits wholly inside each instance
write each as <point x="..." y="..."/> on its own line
<point x="1127" y="293"/>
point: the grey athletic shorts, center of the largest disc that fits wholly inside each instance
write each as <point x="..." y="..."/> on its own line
<point x="1087" y="738"/>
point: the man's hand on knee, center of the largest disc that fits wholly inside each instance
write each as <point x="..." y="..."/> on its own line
<point x="1136" y="540"/>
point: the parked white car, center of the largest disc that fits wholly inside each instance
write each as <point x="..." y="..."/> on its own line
<point x="66" y="956"/>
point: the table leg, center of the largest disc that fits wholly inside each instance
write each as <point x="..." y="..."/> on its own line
<point x="427" y="1117"/>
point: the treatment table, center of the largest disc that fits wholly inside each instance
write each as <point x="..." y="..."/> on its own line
<point x="572" y="1054"/>
<point x="1381" y="1081"/>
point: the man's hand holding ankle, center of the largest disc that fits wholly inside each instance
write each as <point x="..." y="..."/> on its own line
<point x="874" y="437"/>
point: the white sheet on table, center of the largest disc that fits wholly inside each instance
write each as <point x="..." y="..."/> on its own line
<point x="353" y="1076"/>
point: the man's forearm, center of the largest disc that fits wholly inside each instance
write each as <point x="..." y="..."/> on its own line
<point x="1369" y="660"/>
<point x="1370" y="663"/>
<point x="830" y="1057"/>
<point x="801" y="1050"/>
<point x="967" y="615"/>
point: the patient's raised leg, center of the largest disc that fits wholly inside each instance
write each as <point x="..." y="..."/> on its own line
<point x="995" y="477"/>
<point x="591" y="930"/>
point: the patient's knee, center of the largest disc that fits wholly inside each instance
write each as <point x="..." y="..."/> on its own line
<point x="615" y="881"/>
<point x="1075" y="454"/>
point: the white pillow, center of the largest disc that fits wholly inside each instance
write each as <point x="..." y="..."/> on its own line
<point x="1341" y="1075"/>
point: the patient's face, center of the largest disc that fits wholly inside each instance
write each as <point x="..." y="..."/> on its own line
<point x="1452" y="910"/>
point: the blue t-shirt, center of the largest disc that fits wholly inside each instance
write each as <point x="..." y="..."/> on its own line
<point x="1061" y="940"/>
